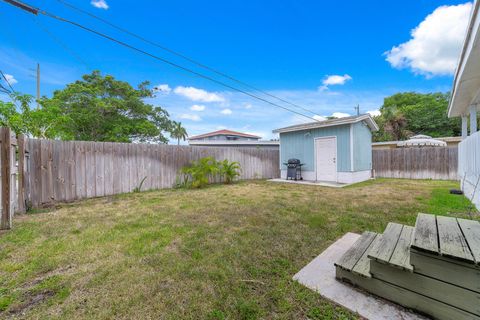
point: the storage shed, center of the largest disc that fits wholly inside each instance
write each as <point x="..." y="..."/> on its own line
<point x="337" y="150"/>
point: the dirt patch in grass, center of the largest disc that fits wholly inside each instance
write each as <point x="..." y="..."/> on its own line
<point x="223" y="252"/>
<point x="30" y="301"/>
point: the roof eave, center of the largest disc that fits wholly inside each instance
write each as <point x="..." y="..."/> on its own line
<point x="312" y="125"/>
<point x="472" y="36"/>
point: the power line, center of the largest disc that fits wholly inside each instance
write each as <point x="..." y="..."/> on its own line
<point x="4" y="90"/>
<point x="6" y="80"/>
<point x="11" y="93"/>
<point x="56" y="39"/>
<point x="35" y="11"/>
<point x="181" y="55"/>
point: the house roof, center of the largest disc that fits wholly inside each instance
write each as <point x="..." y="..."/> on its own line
<point x="330" y="123"/>
<point x="233" y="143"/>
<point x="466" y="84"/>
<point x="225" y="133"/>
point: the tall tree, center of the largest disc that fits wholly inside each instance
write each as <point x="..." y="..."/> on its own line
<point x="178" y="132"/>
<point x="101" y="108"/>
<point x="409" y="113"/>
<point x="37" y="123"/>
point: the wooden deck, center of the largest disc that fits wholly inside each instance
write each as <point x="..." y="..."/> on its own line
<point x="432" y="267"/>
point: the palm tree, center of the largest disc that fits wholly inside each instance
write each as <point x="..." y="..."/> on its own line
<point x="178" y="132"/>
<point x="396" y="124"/>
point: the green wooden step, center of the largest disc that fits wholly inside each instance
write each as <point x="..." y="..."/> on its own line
<point x="447" y="249"/>
<point x="355" y="258"/>
<point x="405" y="297"/>
<point x="447" y="293"/>
<point x="362" y="267"/>
<point x="392" y="247"/>
<point x="471" y="231"/>
<point x="452" y="238"/>
<point x="444" y="269"/>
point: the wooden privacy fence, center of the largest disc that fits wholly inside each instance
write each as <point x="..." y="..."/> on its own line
<point x="52" y="171"/>
<point x="417" y="163"/>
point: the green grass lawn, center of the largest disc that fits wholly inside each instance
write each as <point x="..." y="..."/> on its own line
<point x="223" y="252"/>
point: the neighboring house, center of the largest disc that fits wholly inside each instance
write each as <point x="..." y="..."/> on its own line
<point x="273" y="144"/>
<point x="338" y="150"/>
<point x="228" y="138"/>
<point x="451" y="142"/>
<point x="225" y="135"/>
<point x="464" y="103"/>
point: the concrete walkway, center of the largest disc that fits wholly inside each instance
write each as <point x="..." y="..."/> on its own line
<point x="312" y="183"/>
<point x="319" y="275"/>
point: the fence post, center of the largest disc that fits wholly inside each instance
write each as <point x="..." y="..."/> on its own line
<point x="6" y="167"/>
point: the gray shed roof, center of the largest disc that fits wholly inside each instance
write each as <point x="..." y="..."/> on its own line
<point x="330" y="123"/>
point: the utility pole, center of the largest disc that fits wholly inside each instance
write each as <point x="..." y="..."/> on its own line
<point x="357" y="109"/>
<point x="38" y="85"/>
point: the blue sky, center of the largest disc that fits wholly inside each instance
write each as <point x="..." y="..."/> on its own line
<point x="326" y="56"/>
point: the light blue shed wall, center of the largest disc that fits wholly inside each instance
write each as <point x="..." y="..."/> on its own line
<point x="300" y="145"/>
<point x="362" y="147"/>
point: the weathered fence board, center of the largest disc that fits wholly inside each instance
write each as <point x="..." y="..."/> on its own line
<point x="70" y="170"/>
<point x="438" y="163"/>
<point x="8" y="178"/>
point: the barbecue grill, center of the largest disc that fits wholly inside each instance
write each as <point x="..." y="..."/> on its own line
<point x="294" y="169"/>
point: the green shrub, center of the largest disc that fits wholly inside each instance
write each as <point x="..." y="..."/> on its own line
<point x="229" y="170"/>
<point x="205" y="170"/>
<point x="199" y="173"/>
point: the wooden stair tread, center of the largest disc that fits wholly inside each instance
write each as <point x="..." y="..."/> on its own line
<point x="425" y="236"/>
<point x="457" y="239"/>
<point x="452" y="243"/>
<point x="384" y="247"/>
<point x="392" y="247"/>
<point x="356" y="251"/>
<point x="471" y="231"/>
<point x="401" y="255"/>
<point x="362" y="267"/>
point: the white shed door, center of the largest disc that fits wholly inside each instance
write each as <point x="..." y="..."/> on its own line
<point x="326" y="159"/>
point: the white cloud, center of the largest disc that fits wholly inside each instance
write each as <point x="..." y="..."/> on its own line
<point x="319" y="118"/>
<point x="189" y="116"/>
<point x="334" y="80"/>
<point x="435" y="44"/>
<point x="196" y="94"/>
<point x="164" y="88"/>
<point x="226" y="111"/>
<point x="100" y="4"/>
<point x="10" y="79"/>
<point x="340" y="115"/>
<point x="248" y="106"/>
<point x="197" y="107"/>
<point x="374" y="113"/>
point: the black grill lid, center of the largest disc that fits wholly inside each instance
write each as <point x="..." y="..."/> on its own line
<point x="293" y="161"/>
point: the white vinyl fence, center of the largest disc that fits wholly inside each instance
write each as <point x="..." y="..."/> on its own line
<point x="469" y="167"/>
